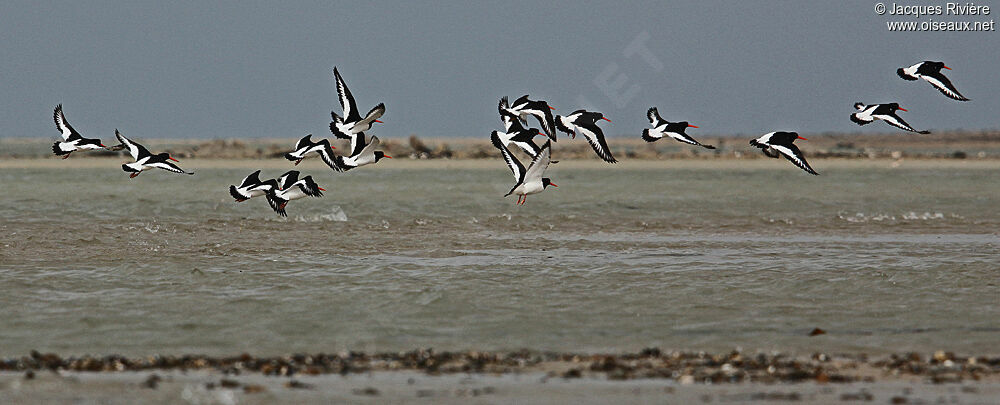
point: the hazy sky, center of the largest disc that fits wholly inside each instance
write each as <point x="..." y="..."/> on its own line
<point x="157" y="69"/>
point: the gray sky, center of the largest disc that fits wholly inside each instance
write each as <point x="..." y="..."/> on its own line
<point x="257" y="69"/>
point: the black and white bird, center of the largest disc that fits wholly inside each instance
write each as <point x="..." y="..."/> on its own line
<point x="585" y="122"/>
<point x="515" y="133"/>
<point x="352" y="123"/>
<point x="530" y="180"/>
<point x="774" y="144"/>
<point x="362" y="153"/>
<point x="145" y="160"/>
<point x="662" y="128"/>
<point x="931" y="72"/>
<point x="251" y="187"/>
<point x="305" y="146"/>
<point x="72" y="140"/>
<point x="523" y="107"/>
<point x="291" y="188"/>
<point x="868" y="114"/>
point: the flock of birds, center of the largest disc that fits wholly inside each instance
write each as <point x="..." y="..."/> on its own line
<point x="350" y="125"/>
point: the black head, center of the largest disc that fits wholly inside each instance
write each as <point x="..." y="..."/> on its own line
<point x="937" y="65"/>
<point x="859" y="106"/>
<point x="546" y="182"/>
<point x="165" y="156"/>
<point x="379" y="155"/>
<point x="95" y="142"/>
<point x="894" y="106"/>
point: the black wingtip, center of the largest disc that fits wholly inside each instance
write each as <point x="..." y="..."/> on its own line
<point x="923" y="132"/>
<point x="708" y="146"/>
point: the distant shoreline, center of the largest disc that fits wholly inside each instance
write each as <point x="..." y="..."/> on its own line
<point x="958" y="145"/>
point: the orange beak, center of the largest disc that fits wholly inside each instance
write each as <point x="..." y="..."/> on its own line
<point x="168" y="157"/>
<point x="603" y="118"/>
<point x="553" y="184"/>
<point x="380" y="122"/>
<point x="387" y="156"/>
<point x="551" y="107"/>
<point x="901" y="108"/>
<point x="946" y="67"/>
<point x="692" y="126"/>
<point x="804" y="139"/>
<point x="321" y="188"/>
<point x="102" y="145"/>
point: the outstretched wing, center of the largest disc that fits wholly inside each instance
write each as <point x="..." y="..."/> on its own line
<point x="170" y="167"/>
<point x="653" y="115"/>
<point x="136" y="150"/>
<point x="346" y="99"/>
<point x="898" y="122"/>
<point x="794" y="155"/>
<point x="251" y="180"/>
<point x="516" y="168"/>
<point x="595" y="137"/>
<point x="63" y="126"/>
<point x="373" y="114"/>
<point x="538" y="165"/>
<point x="277" y="203"/>
<point x="941" y="82"/>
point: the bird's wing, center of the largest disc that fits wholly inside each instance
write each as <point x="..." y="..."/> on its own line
<point x="595" y="137"/>
<point x="373" y="114"/>
<point x="682" y="138"/>
<point x="653" y="115"/>
<point x="538" y="165"/>
<point x="896" y="121"/>
<point x="350" y="107"/>
<point x="516" y="168"/>
<point x="137" y="151"/>
<point x="63" y="126"/>
<point x="528" y="147"/>
<point x="941" y="82"/>
<point x="170" y="167"/>
<point x="251" y="180"/>
<point x="794" y="155"/>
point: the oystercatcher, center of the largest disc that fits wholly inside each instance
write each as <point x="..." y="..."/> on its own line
<point x="868" y="114"/>
<point x="145" y="160"/>
<point x="305" y="145"/>
<point x="586" y="123"/>
<point x="351" y="123"/>
<point x="931" y="72"/>
<point x="514" y="132"/>
<point x="297" y="189"/>
<point x="523" y="107"/>
<point x="72" y="140"/>
<point x="662" y="127"/>
<point x="530" y="180"/>
<point x="363" y="153"/>
<point x="781" y="143"/>
<point x="251" y="187"/>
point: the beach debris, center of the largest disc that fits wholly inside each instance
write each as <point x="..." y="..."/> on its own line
<point x="817" y="331"/>
<point x="651" y="363"/>
<point x="152" y="381"/>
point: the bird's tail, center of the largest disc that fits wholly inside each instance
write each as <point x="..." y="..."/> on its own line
<point x="647" y="137"/>
<point x="57" y="150"/>
<point x="902" y="74"/>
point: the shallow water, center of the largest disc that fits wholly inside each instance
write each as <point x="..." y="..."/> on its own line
<point x="614" y="259"/>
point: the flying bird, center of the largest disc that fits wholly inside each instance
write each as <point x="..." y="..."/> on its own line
<point x="305" y="146"/>
<point x="523" y="107"/>
<point x="251" y="187"/>
<point x="352" y="123"/>
<point x="868" y="114"/>
<point x="363" y="153"/>
<point x="291" y="188"/>
<point x="515" y="133"/>
<point x="530" y="180"/>
<point x="774" y="144"/>
<point x="931" y="72"/>
<point x="662" y="127"/>
<point x="145" y="160"/>
<point x="72" y="140"/>
<point x="585" y="122"/>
